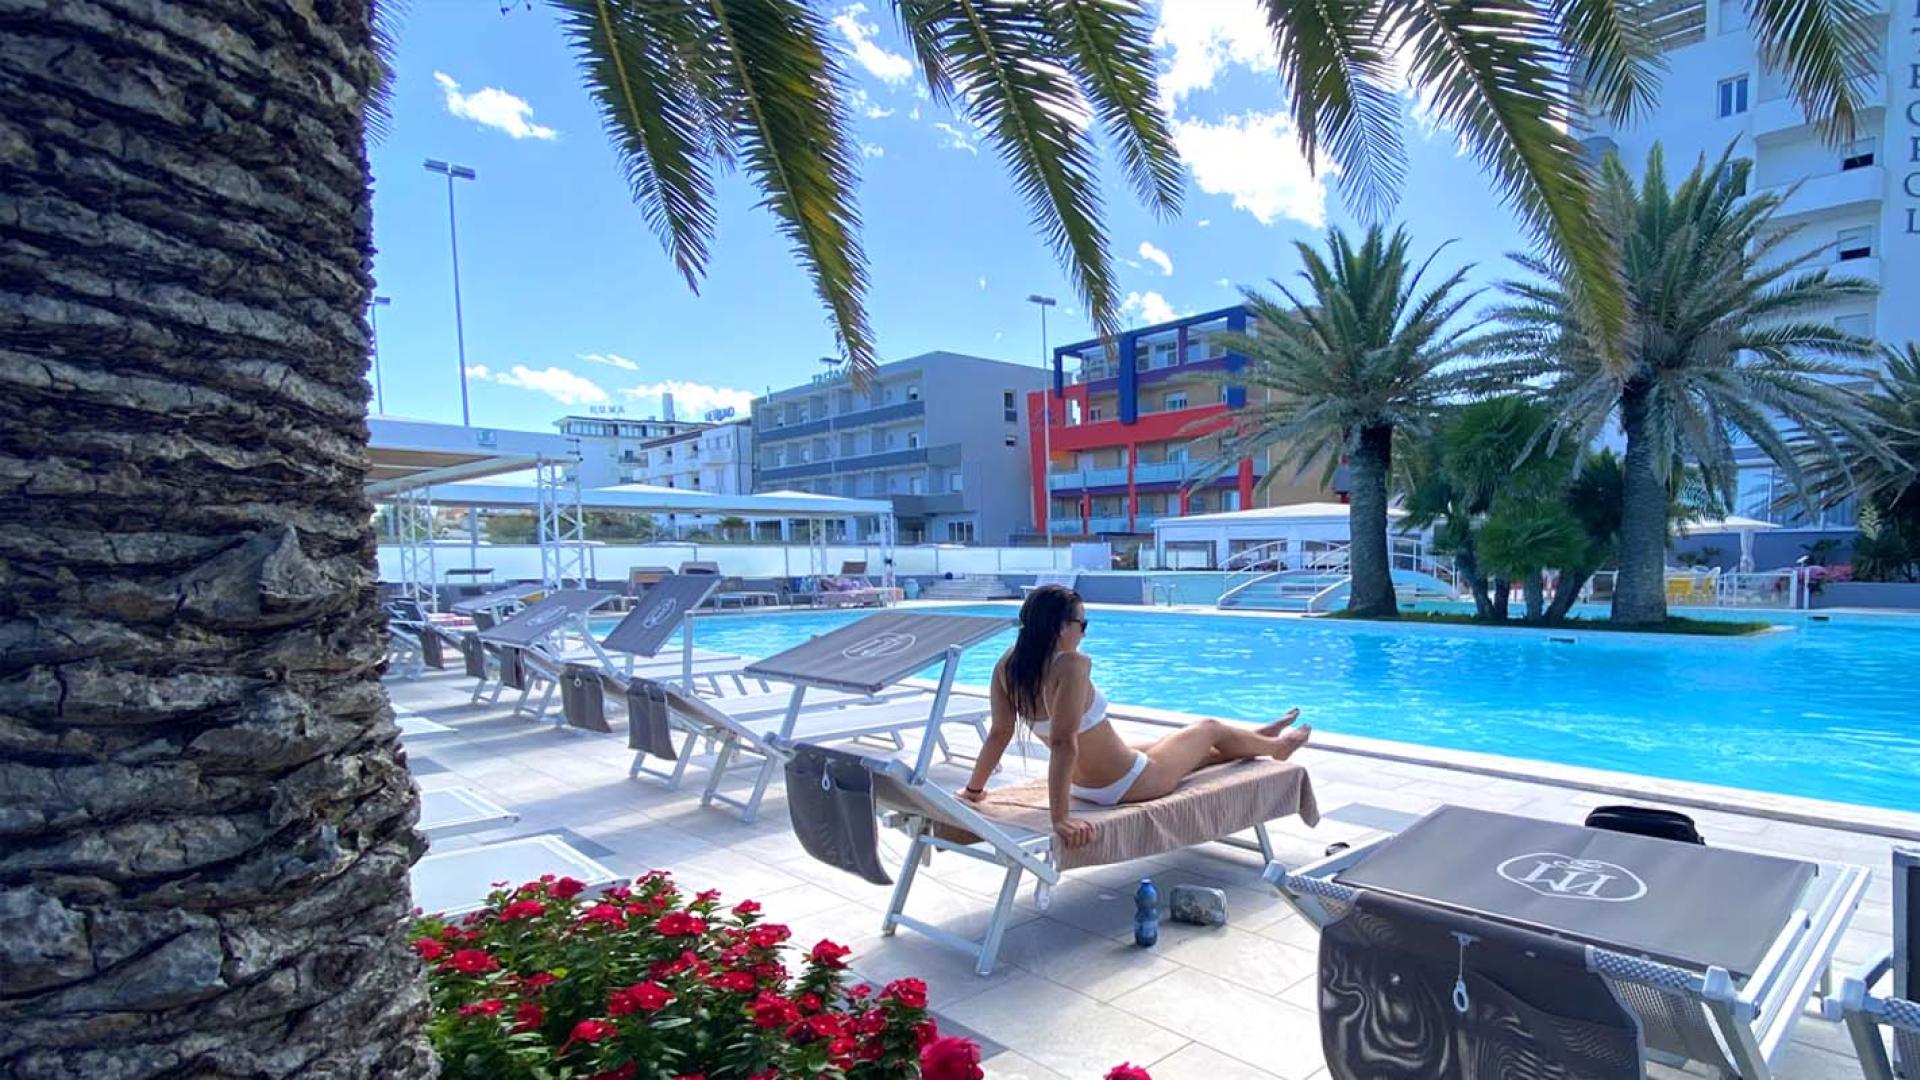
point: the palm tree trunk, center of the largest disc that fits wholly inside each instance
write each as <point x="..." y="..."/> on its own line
<point x="1371" y="592"/>
<point x="205" y="819"/>
<point x="1467" y="561"/>
<point x="1536" y="592"/>
<point x="1567" y="592"/>
<point x="1640" y="593"/>
<point x="1502" y="591"/>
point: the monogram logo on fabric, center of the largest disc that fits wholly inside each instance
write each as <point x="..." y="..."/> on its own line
<point x="879" y="645"/>
<point x="1563" y="876"/>
<point x="546" y="619"/>
<point x="660" y="612"/>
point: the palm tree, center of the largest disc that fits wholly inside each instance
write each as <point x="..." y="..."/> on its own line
<point x="1362" y="358"/>
<point x="206" y="873"/>
<point x="1724" y="335"/>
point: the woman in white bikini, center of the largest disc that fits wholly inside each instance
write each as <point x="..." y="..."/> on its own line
<point x="1046" y="680"/>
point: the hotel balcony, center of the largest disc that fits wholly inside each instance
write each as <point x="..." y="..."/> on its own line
<point x="1159" y="472"/>
<point x="1847" y="189"/>
<point x="1784" y="115"/>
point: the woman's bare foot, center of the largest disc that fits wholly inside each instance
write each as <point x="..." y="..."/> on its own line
<point x="1281" y="724"/>
<point x="1293" y="740"/>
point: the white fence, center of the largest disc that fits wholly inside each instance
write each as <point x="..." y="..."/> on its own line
<point x="610" y="562"/>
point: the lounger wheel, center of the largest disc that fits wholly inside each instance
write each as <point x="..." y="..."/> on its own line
<point x="1042" y="896"/>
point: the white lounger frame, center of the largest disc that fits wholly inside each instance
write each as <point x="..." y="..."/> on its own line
<point x="1750" y="1022"/>
<point x="743" y="711"/>
<point x="909" y="801"/>
<point x="1866" y="1014"/>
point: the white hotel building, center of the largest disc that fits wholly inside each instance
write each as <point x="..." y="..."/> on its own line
<point x="1860" y="201"/>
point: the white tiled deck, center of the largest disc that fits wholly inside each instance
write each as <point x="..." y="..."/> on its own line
<point x="1071" y="996"/>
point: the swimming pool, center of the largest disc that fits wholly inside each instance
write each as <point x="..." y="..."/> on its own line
<point x="1814" y="711"/>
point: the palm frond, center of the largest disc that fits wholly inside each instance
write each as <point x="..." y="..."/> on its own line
<point x="791" y="129"/>
<point x="1620" y="65"/>
<point x="1338" y="81"/>
<point x="1817" y="44"/>
<point x="1107" y="47"/>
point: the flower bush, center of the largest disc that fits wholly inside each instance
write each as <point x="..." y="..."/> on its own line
<point x="642" y="982"/>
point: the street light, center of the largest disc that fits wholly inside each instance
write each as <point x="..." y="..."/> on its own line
<point x="452" y="173"/>
<point x="373" y="316"/>
<point x="1046" y="420"/>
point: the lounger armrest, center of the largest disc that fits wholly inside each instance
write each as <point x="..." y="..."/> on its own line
<point x="1855" y="988"/>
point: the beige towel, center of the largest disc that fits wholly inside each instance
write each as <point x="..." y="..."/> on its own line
<point x="1213" y="803"/>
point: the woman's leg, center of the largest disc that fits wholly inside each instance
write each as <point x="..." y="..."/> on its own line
<point x="1173" y="758"/>
<point x="1217" y="755"/>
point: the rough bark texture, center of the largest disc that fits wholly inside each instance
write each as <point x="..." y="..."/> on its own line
<point x="205" y="821"/>
<point x="1371" y="592"/>
<point x="1535" y="588"/>
<point x="1640" y="592"/>
<point x="1467" y="562"/>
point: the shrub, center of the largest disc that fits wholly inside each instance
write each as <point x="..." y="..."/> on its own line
<point x="644" y="983"/>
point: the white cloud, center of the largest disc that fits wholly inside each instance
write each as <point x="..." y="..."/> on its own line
<point x="872" y="150"/>
<point x="1223" y="283"/>
<point x="1204" y="222"/>
<point x="494" y="108"/>
<point x="1147" y="308"/>
<point x="914" y="113"/>
<point x="478" y="371"/>
<point x="610" y="359"/>
<point x="690" y="398"/>
<point x="557" y="383"/>
<point x="983" y="281"/>
<point x="955" y="138"/>
<point x="1199" y="37"/>
<point x="889" y="67"/>
<point x="1255" y="158"/>
<point x="862" y="102"/>
<point x="1157" y="257"/>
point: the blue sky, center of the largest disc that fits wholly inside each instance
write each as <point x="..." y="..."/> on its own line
<point x="569" y="301"/>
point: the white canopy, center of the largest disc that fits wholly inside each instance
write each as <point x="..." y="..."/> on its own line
<point x="648" y="499"/>
<point x="409" y="454"/>
<point x="1734" y="523"/>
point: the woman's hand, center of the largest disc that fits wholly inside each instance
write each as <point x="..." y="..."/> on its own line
<point x="1074" y="832"/>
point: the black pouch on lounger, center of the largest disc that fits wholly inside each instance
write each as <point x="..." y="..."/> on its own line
<point x="513" y="668"/>
<point x="1645" y="821"/>
<point x="648" y="729"/>
<point x="475" y="654"/>
<point x="830" y="799"/>
<point x="431" y="649"/>
<point x="583" y="699"/>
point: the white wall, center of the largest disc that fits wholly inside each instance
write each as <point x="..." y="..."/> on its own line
<point x="610" y="562"/>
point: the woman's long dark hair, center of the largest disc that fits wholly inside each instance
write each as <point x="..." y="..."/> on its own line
<point x="1041" y="619"/>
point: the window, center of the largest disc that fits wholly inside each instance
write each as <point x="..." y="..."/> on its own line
<point x="1858" y="154"/>
<point x="1013" y="441"/>
<point x="1094" y="412"/>
<point x="1857" y="325"/>
<point x="953" y="481"/>
<point x="916" y="485"/>
<point x="913" y="391"/>
<point x="1176" y="401"/>
<point x="1197" y="504"/>
<point x="1006" y="399"/>
<point x="959" y="532"/>
<point x="1855" y="243"/>
<point x="1007" y="410"/>
<point x="913" y="440"/>
<point x="1736" y="172"/>
<point x="1733" y="96"/>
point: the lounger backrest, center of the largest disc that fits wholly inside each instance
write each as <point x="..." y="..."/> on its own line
<point x="1906" y="924"/>
<point x="1391" y="974"/>
<point x="693" y="566"/>
<point x="499" y="598"/>
<point x="877" y="651"/>
<point x="657" y="614"/>
<point x="538" y="620"/>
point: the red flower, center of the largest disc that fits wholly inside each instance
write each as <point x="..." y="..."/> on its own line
<point x="767" y="935"/>
<point x="652" y="876"/>
<point x="871" y="1022"/>
<point x="473" y="962"/>
<point x="428" y="948"/>
<point x="909" y="992"/>
<point x="860" y="992"/>
<point x="825" y="1025"/>
<point x="680" y="924"/>
<point x="768" y="1075"/>
<point x="828" y="954"/>
<point x="746" y="908"/>
<point x="489" y="1007"/>
<point x="641" y="997"/>
<point x="773" y="1011"/>
<point x="707" y="897"/>
<point x="567" y="887"/>
<point x="615" y="892"/>
<point x="591" y="1031"/>
<point x="951" y="1059"/>
<point x="809" y="1002"/>
<point x="770" y="973"/>
<point x="1126" y="1071"/>
<point x="624" y="1072"/>
<point x="604" y="913"/>
<point x="925" y="1032"/>
<point x="528" y="1017"/>
<point x="539" y="980"/>
<point x="738" y="982"/>
<point x="522" y="909"/>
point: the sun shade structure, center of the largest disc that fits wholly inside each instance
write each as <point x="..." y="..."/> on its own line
<point x="1716" y="951"/>
<point x="1744" y="527"/>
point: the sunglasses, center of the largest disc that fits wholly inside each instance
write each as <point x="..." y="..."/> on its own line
<point x="1082" y="621"/>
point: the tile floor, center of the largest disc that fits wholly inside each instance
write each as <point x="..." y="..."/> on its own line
<point x="1071" y="996"/>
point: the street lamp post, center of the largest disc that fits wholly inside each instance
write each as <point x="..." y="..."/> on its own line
<point x="1046" y="421"/>
<point x="373" y="317"/>
<point x="452" y="173"/>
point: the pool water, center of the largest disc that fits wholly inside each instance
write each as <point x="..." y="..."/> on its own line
<point x="1816" y="710"/>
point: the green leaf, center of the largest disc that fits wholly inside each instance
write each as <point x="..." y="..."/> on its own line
<point x="1108" y="48"/>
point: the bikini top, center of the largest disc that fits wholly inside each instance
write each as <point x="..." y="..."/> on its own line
<point x="1096" y="715"/>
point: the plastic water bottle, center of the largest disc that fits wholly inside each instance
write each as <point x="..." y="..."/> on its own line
<point x="1146" y="914"/>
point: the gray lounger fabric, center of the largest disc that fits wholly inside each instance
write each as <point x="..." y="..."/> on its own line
<point x="878" y="650"/>
<point x="1391" y="975"/>
<point x="656" y="614"/>
<point x="649" y="730"/>
<point x="546" y="615"/>
<point x="1628" y="893"/>
<point x="494" y="599"/>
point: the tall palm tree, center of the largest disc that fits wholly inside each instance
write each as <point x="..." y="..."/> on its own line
<point x="206" y="819"/>
<point x="1724" y="334"/>
<point x="1361" y="358"/>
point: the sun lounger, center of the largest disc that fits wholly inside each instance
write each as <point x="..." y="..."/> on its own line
<point x="863" y="660"/>
<point x="1012" y="829"/>
<point x="457" y="811"/>
<point x="454" y="882"/>
<point x="549" y="625"/>
<point x="1066" y="579"/>
<point x="1716" y="951"/>
<point x="1899" y="1011"/>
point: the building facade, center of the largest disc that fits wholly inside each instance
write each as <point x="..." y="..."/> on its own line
<point x="713" y="457"/>
<point x="612" y="446"/>
<point x="1855" y="203"/>
<point x="940" y="435"/>
<point x="1131" y="429"/>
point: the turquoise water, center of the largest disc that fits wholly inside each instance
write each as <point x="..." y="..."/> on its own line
<point x="1818" y="710"/>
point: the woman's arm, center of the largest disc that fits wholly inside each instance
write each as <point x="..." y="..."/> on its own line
<point x="1068" y="692"/>
<point x="999" y="734"/>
